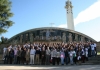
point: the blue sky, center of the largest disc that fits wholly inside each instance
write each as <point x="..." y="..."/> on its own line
<point x="29" y="14"/>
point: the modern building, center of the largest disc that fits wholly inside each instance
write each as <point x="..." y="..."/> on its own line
<point x="50" y="34"/>
<point x="53" y="34"/>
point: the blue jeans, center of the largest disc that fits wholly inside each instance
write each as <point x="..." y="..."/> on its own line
<point x="6" y="59"/>
<point x="93" y="52"/>
<point x="15" y="59"/>
<point x="71" y="60"/>
<point x="62" y="60"/>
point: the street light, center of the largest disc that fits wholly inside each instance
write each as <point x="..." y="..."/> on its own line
<point x="51" y="24"/>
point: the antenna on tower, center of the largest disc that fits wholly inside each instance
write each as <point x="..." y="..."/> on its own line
<point x="51" y="24"/>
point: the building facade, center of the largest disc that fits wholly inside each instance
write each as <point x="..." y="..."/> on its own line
<point x="49" y="34"/>
<point x="52" y="34"/>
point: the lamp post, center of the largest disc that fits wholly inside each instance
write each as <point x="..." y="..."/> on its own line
<point x="51" y="24"/>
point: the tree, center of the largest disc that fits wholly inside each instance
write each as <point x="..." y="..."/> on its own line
<point x="3" y="40"/>
<point x="5" y="14"/>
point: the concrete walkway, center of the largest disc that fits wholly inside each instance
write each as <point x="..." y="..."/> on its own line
<point x="75" y="67"/>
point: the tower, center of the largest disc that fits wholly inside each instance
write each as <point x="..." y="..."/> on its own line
<point x="70" y="21"/>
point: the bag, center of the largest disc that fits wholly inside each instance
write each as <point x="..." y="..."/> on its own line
<point x="50" y="60"/>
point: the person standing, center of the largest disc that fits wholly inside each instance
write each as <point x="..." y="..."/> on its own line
<point x="6" y="56"/>
<point x="86" y="53"/>
<point x="15" y="55"/>
<point x="71" y="56"/>
<point x="89" y="50"/>
<point x="23" y="53"/>
<point x="62" y="56"/>
<point x="53" y="56"/>
<point x="66" y="56"/>
<point x="18" y="55"/>
<point x="48" y="56"/>
<point x="83" y="55"/>
<point x="4" y="50"/>
<point x="43" y="55"/>
<point x="74" y="57"/>
<point x="79" y="55"/>
<point x="95" y="45"/>
<point x="27" y="56"/>
<point x="37" y="55"/>
<point x="58" y="56"/>
<point x="32" y="55"/>
<point x="11" y="55"/>
<point x="93" y="49"/>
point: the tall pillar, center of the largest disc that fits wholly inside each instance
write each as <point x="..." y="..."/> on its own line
<point x="70" y="21"/>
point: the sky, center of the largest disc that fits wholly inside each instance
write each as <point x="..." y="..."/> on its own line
<point x="29" y="14"/>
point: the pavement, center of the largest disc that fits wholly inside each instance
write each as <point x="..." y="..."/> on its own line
<point x="36" y="67"/>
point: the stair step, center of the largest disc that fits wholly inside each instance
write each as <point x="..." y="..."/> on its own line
<point x="90" y="63"/>
<point x="93" y="61"/>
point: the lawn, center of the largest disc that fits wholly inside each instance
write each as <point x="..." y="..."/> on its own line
<point x="98" y="53"/>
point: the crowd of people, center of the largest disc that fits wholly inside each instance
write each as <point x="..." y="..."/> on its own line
<point x="49" y="53"/>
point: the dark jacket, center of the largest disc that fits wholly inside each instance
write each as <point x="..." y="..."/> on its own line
<point x="23" y="53"/>
<point x="43" y="54"/>
<point x="37" y="52"/>
<point x="66" y="53"/>
<point x="11" y="53"/>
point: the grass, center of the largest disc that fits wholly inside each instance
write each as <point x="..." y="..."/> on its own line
<point x="98" y="53"/>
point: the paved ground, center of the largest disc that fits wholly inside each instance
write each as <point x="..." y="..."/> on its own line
<point x="75" y="67"/>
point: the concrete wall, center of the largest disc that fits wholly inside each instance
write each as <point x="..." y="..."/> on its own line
<point x="98" y="46"/>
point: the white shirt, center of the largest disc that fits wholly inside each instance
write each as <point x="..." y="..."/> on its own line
<point x="83" y="52"/>
<point x="86" y="49"/>
<point x="92" y="47"/>
<point x="10" y="47"/>
<point x="4" y="49"/>
<point x="71" y="53"/>
<point x="86" y="52"/>
<point x="32" y="52"/>
<point x="95" y="45"/>
<point x="28" y="45"/>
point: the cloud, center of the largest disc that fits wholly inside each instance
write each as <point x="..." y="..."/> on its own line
<point x="63" y="26"/>
<point x="88" y="14"/>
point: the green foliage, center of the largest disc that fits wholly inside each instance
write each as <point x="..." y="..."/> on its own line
<point x="5" y="14"/>
<point x="3" y="40"/>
